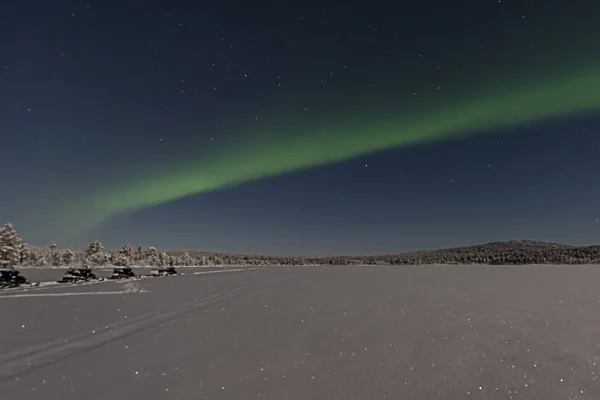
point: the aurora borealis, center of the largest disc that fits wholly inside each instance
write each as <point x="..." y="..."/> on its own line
<point x="399" y="86"/>
<point x="263" y="157"/>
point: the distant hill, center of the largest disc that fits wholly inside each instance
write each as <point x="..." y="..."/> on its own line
<point x="499" y="253"/>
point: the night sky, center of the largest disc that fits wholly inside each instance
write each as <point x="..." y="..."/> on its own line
<point x="300" y="127"/>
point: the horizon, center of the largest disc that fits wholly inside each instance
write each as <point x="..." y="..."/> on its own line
<point x="316" y="256"/>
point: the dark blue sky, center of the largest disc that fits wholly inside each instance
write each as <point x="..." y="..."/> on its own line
<point x="89" y="88"/>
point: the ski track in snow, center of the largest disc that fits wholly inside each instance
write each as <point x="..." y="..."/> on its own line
<point x="12" y="296"/>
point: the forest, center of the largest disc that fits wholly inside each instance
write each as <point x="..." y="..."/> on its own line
<point x="14" y="251"/>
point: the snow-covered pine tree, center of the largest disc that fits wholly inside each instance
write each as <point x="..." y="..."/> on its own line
<point x="10" y="246"/>
<point x="97" y="259"/>
<point x="68" y="256"/>
<point x="55" y="256"/>
<point x="162" y="259"/>
<point x="139" y="255"/>
<point x="186" y="259"/>
<point x="94" y="254"/>
<point x="37" y="257"/>
<point x="94" y="247"/>
<point x="152" y="257"/>
<point x="42" y="258"/>
<point x="216" y="260"/>
<point x="25" y="254"/>
<point x="125" y="256"/>
<point x="121" y="260"/>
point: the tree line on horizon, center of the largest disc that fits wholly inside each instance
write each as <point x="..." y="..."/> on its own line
<point x="14" y="251"/>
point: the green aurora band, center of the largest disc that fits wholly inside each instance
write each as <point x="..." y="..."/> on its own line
<point x="571" y="93"/>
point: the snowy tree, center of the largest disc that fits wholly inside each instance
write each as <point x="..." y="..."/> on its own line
<point x="37" y="258"/>
<point x="152" y="257"/>
<point x="186" y="260"/>
<point x="94" y="248"/>
<point x="139" y="254"/>
<point x="203" y="260"/>
<point x="126" y="250"/>
<point x="121" y="260"/>
<point x="219" y="260"/>
<point x="171" y="260"/>
<point x="10" y="246"/>
<point x="125" y="256"/>
<point x="97" y="259"/>
<point x="55" y="257"/>
<point x="163" y="259"/>
<point x="25" y="254"/>
<point x="68" y="256"/>
<point x="94" y="254"/>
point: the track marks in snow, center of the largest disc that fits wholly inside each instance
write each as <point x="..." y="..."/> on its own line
<point x="129" y="288"/>
<point x="22" y="361"/>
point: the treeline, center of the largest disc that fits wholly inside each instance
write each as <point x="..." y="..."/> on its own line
<point x="14" y="251"/>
